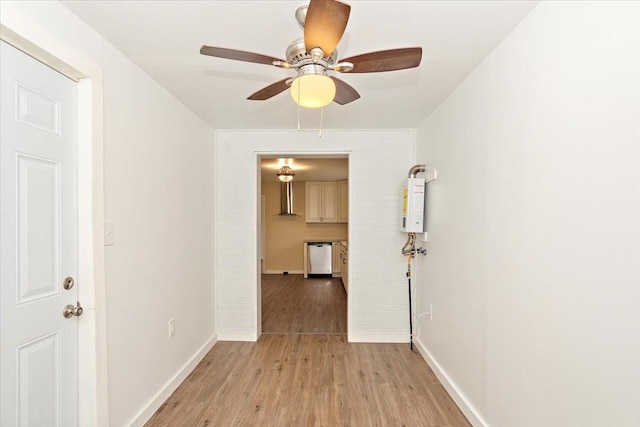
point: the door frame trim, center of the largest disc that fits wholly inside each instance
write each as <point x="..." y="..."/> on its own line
<point x="92" y="343"/>
<point x="260" y="225"/>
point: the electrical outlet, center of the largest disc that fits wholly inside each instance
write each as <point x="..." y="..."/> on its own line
<point x="172" y="327"/>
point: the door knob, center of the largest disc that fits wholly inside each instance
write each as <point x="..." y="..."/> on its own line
<point x="71" y="310"/>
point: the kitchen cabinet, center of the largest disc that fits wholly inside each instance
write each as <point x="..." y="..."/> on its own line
<point x="321" y="201"/>
<point x="344" y="258"/>
<point x="343" y="201"/>
<point x="337" y="261"/>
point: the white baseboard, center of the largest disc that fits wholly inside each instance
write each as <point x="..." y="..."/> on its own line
<point x="390" y="338"/>
<point x="237" y="336"/>
<point x="152" y="406"/>
<point x="282" y="271"/>
<point x="454" y="391"/>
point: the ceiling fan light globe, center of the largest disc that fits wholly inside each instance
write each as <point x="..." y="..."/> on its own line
<point x="313" y="90"/>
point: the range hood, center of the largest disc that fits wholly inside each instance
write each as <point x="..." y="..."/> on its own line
<point x="286" y="199"/>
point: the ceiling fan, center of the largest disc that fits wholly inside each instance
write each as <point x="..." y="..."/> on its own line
<point x="324" y="22"/>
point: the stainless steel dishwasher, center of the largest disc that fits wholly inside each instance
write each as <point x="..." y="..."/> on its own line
<point x="320" y="257"/>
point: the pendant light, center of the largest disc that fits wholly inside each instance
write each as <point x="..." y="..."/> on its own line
<point x="285" y="174"/>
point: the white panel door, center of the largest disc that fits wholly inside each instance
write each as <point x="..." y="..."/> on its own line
<point x="38" y="250"/>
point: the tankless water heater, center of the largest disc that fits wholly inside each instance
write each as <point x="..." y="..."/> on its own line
<point x="414" y="195"/>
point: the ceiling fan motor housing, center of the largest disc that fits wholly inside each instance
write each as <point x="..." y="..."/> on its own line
<point x="312" y="69"/>
<point x="298" y="56"/>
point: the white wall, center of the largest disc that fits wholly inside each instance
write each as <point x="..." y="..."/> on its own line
<point x="378" y="162"/>
<point x="158" y="192"/>
<point x="158" y="171"/>
<point x="533" y="267"/>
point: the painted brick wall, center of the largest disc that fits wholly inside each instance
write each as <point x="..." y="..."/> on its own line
<point x="378" y="163"/>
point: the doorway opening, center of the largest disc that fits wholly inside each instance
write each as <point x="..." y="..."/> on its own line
<point x="303" y="204"/>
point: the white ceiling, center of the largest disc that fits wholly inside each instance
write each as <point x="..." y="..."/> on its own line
<point x="164" y="37"/>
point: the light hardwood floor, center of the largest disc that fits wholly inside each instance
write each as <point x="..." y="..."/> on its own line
<point x="309" y="379"/>
<point x="291" y="303"/>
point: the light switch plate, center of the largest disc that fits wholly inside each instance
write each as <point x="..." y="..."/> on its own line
<point x="109" y="233"/>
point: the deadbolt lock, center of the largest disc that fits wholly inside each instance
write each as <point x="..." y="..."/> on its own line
<point x="71" y="310"/>
<point x="68" y="283"/>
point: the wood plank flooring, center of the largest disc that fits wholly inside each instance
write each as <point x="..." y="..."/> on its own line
<point x="309" y="379"/>
<point x="291" y="303"/>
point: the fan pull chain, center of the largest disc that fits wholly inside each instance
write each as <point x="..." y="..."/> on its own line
<point x="298" y="82"/>
<point x="321" y="112"/>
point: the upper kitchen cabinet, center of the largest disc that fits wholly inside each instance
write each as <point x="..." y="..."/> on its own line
<point x="321" y="201"/>
<point x="343" y="201"/>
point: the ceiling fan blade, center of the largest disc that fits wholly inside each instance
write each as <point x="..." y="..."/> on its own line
<point x="238" y="55"/>
<point x="324" y="25"/>
<point x="270" y="91"/>
<point x="385" y="60"/>
<point x="344" y="93"/>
